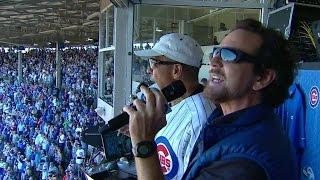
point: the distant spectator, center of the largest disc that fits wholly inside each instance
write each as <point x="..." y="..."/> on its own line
<point x="222" y="27"/>
<point x="215" y="40"/>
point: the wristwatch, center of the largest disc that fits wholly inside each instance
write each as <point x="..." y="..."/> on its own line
<point x="144" y="149"/>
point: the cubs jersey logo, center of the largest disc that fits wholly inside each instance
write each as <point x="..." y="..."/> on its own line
<point x="167" y="157"/>
<point x="314" y="96"/>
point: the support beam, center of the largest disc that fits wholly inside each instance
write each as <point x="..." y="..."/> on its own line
<point x="58" y="67"/>
<point x="122" y="57"/>
<point x="264" y="12"/>
<point x="248" y="5"/>
<point x="101" y="63"/>
<point x="182" y="26"/>
<point x="19" y="66"/>
<point x="154" y="31"/>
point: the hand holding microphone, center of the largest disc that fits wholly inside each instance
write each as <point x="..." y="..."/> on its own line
<point x="171" y="92"/>
<point x="147" y="118"/>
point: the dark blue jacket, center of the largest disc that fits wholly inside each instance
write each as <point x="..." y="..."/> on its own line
<point x="254" y="133"/>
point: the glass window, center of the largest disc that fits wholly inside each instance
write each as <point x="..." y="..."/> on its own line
<point x="110" y="26"/>
<point x="108" y="76"/>
<point x="206" y="25"/>
<point x="107" y="28"/>
<point x="107" y="50"/>
<point x="103" y="30"/>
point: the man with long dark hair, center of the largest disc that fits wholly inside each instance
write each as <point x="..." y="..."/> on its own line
<point x="249" y="75"/>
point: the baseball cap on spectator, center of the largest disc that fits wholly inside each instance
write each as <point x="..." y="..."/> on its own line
<point x="177" y="47"/>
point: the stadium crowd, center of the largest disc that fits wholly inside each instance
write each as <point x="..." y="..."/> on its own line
<point x="40" y="125"/>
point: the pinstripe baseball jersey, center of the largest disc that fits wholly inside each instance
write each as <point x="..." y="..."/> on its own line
<point x="176" y="140"/>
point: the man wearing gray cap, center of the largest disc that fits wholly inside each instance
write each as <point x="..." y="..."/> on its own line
<point x="177" y="57"/>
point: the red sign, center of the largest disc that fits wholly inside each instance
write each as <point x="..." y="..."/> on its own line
<point x="314" y="96"/>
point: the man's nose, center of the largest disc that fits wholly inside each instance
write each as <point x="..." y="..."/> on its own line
<point x="216" y="61"/>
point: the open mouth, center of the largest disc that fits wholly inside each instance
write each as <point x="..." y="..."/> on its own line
<point x="216" y="79"/>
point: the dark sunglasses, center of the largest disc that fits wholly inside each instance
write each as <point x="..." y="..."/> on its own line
<point x="153" y="62"/>
<point x="232" y="55"/>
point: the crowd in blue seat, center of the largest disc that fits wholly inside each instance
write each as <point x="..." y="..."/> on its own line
<point x="40" y="125"/>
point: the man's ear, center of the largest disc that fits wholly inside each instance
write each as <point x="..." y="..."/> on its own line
<point x="264" y="79"/>
<point x="177" y="70"/>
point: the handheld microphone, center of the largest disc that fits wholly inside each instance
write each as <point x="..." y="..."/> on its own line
<point x="171" y="92"/>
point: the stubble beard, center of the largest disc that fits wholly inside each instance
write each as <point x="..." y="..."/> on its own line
<point x="215" y="96"/>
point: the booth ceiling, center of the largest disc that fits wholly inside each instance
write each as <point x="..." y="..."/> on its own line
<point x="37" y="22"/>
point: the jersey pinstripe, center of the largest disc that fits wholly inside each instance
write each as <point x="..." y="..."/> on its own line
<point x="176" y="140"/>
